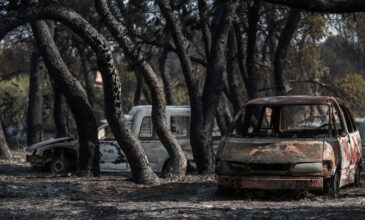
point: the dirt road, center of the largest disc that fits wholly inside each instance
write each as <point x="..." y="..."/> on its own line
<point x="26" y="194"/>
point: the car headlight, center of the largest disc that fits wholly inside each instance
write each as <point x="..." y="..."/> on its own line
<point x="307" y="168"/>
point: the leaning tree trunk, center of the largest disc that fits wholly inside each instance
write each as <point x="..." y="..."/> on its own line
<point x="35" y="103"/>
<point x="141" y="170"/>
<point x="88" y="155"/>
<point x="5" y="152"/>
<point x="177" y="162"/>
<point x="58" y="115"/>
<point x="284" y="41"/>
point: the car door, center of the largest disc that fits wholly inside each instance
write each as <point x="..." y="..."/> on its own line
<point x="355" y="142"/>
<point x="112" y="159"/>
<point x="155" y="151"/>
<point x="344" y="142"/>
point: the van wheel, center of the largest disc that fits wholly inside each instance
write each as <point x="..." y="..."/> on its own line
<point x="358" y="175"/>
<point x="332" y="186"/>
<point x="60" y="165"/>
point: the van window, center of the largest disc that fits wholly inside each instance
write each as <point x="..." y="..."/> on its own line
<point x="349" y="122"/>
<point x="146" y="130"/>
<point x="337" y="122"/>
<point x="179" y="126"/>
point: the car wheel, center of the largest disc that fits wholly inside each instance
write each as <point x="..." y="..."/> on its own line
<point x="358" y="175"/>
<point x="60" y="165"/>
<point x="332" y="186"/>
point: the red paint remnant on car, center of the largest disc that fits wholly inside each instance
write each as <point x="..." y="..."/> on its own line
<point x="302" y="151"/>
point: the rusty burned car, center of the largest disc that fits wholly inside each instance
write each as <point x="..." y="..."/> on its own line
<point x="291" y="143"/>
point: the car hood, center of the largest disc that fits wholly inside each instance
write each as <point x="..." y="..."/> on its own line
<point x="247" y="150"/>
<point x="48" y="142"/>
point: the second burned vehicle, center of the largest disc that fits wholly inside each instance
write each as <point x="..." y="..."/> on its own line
<point x="60" y="155"/>
<point x="293" y="142"/>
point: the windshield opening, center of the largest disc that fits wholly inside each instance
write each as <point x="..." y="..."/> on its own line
<point x="283" y="121"/>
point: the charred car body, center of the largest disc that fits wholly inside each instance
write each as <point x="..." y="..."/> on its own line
<point x="291" y="142"/>
<point x="60" y="155"/>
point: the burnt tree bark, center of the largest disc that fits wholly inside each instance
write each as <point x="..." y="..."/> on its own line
<point x="165" y="77"/>
<point x="5" y="152"/>
<point x="241" y="57"/>
<point x="88" y="156"/>
<point x="204" y="26"/>
<point x="234" y="82"/>
<point x="203" y="107"/>
<point x="177" y="162"/>
<point x="251" y="59"/>
<point x="284" y="41"/>
<point x="141" y="171"/>
<point x="86" y="70"/>
<point x="58" y="115"/>
<point x="35" y="103"/>
<point x="324" y="6"/>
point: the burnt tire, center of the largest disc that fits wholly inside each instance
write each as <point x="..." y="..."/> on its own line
<point x="332" y="186"/>
<point x="60" y="165"/>
<point x="358" y="175"/>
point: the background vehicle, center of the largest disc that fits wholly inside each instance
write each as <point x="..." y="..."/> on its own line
<point x="292" y="142"/>
<point x="61" y="154"/>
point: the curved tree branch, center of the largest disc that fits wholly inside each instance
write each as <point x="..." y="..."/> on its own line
<point x="177" y="163"/>
<point x="141" y="171"/>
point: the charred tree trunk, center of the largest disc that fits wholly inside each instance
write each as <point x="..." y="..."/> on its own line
<point x="251" y="59"/>
<point x="235" y="87"/>
<point x="241" y="56"/>
<point x="203" y="107"/>
<point x="35" y="103"/>
<point x="165" y="78"/>
<point x="86" y="69"/>
<point x="204" y="26"/>
<point x="177" y="162"/>
<point x="88" y="156"/>
<point x="5" y="152"/>
<point x="58" y="116"/>
<point x="284" y="41"/>
<point x="141" y="171"/>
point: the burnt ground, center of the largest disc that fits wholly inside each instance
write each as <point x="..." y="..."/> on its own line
<point x="26" y="194"/>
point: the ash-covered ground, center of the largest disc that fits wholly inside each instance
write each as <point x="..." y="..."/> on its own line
<point x="27" y="194"/>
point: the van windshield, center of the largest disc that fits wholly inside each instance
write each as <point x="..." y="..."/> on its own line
<point x="283" y="121"/>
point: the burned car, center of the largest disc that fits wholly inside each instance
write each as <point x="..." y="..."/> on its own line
<point x="291" y="143"/>
<point x="60" y="155"/>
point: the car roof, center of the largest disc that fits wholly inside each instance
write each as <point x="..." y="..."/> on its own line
<point x="168" y="108"/>
<point x="295" y="100"/>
